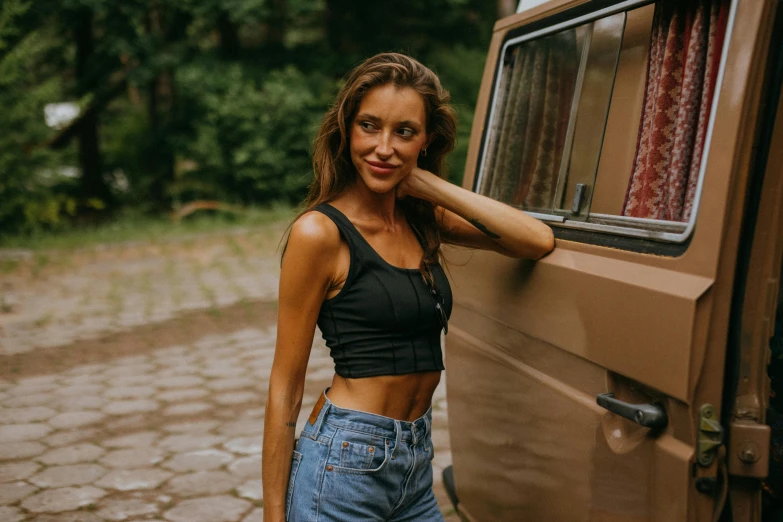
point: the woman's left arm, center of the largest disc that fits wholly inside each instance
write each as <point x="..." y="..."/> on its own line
<point x="476" y="221"/>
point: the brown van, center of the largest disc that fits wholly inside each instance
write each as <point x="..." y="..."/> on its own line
<point x="624" y="377"/>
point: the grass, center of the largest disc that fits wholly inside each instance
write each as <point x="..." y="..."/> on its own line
<point x="146" y="285"/>
<point x="236" y="247"/>
<point x="130" y="228"/>
<point x="115" y="298"/>
<point x="8" y="266"/>
<point x="41" y="260"/>
<point x="171" y="276"/>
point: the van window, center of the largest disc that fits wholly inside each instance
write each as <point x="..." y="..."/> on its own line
<point x="603" y="125"/>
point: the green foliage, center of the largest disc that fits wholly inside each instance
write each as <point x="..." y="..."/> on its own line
<point x="33" y="192"/>
<point x="359" y="29"/>
<point x="460" y="70"/>
<point x="239" y="11"/>
<point x="251" y="141"/>
<point x="197" y="99"/>
<point x="10" y="11"/>
<point x="136" y="226"/>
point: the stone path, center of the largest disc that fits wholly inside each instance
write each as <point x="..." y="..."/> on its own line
<point x="173" y="433"/>
<point x="54" y="299"/>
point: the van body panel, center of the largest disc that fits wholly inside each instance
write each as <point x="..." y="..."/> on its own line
<point x="537" y="441"/>
<point x="575" y="301"/>
<point x="531" y="344"/>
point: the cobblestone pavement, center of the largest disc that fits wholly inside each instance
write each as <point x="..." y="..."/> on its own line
<point x="173" y="433"/>
<point x="54" y="299"/>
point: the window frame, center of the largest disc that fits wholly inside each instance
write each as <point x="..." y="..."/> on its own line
<point x="674" y="233"/>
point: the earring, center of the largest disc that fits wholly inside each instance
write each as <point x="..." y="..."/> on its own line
<point x="423" y="151"/>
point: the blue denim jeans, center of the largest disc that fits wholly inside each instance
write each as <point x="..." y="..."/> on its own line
<point x="350" y="465"/>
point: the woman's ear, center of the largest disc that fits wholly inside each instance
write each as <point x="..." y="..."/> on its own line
<point x="430" y="139"/>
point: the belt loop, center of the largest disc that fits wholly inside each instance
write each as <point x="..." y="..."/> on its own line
<point x="317" y="409"/>
<point x="320" y="412"/>
<point x="397" y="435"/>
<point x="427" y="429"/>
<point x="414" y="433"/>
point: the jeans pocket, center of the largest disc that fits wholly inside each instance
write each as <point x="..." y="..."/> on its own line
<point x="358" y="453"/>
<point x="296" y="459"/>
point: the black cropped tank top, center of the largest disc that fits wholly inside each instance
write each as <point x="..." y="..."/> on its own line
<point x="383" y="321"/>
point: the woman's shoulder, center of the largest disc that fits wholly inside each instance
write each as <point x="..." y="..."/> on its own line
<point x="316" y="232"/>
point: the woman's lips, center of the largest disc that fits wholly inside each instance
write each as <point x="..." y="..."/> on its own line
<point x="381" y="168"/>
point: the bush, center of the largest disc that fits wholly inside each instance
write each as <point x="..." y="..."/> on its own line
<point x="33" y="192"/>
<point x="460" y="70"/>
<point x="252" y="142"/>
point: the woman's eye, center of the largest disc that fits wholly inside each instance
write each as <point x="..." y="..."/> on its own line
<point x="366" y="125"/>
<point x="407" y="133"/>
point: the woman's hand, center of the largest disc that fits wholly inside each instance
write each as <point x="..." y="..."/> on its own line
<point x="412" y="184"/>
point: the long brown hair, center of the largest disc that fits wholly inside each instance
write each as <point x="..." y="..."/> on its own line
<point x="334" y="171"/>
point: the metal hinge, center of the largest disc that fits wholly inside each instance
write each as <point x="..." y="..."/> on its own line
<point x="710" y="435"/>
<point x="748" y="449"/>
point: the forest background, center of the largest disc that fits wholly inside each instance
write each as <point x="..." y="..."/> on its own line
<point x="190" y="100"/>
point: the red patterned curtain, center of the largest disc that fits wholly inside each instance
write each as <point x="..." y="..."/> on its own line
<point x="685" y="48"/>
<point x="528" y="133"/>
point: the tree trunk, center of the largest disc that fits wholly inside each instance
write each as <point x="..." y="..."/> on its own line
<point x="160" y="156"/>
<point x="277" y="25"/>
<point x="341" y="20"/>
<point x="229" y="36"/>
<point x="92" y="184"/>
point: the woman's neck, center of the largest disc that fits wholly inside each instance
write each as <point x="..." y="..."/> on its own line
<point x="363" y="201"/>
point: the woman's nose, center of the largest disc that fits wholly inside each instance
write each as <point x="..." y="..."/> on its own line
<point x="384" y="148"/>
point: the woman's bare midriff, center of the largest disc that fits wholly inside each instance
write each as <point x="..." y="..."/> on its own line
<point x="402" y="397"/>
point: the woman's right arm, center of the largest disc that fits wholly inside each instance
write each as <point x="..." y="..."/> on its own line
<point x="306" y="275"/>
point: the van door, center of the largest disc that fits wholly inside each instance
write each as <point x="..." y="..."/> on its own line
<point x="588" y="386"/>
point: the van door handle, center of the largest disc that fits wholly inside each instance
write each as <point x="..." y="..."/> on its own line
<point x="648" y="415"/>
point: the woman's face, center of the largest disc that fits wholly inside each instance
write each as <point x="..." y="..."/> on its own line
<point x="387" y="134"/>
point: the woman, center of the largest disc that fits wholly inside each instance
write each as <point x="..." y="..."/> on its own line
<point x="362" y="262"/>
